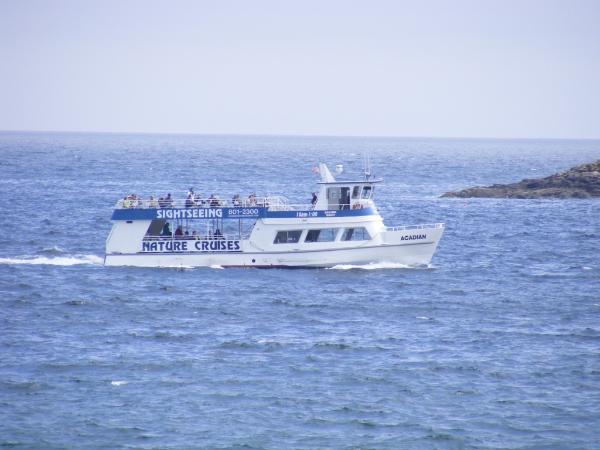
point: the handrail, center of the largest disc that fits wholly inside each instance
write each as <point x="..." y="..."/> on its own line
<point x="273" y="203"/>
<point x="415" y="227"/>
<point x="133" y="202"/>
<point x="196" y="237"/>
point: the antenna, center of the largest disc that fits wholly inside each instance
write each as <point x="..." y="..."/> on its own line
<point x="367" y="166"/>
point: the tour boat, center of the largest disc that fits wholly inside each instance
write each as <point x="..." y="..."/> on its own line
<point x="341" y="227"/>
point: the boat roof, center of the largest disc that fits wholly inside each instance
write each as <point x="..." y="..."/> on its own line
<point x="378" y="180"/>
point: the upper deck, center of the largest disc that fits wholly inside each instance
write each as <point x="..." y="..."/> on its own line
<point x="251" y="208"/>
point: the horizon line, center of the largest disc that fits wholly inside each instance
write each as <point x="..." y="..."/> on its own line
<point x="351" y="136"/>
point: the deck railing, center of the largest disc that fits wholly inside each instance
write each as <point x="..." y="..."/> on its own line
<point x="415" y="227"/>
<point x="197" y="237"/>
<point x="271" y="202"/>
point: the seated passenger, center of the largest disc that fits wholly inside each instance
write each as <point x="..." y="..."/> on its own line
<point x="152" y="203"/>
<point x="236" y="201"/>
<point x="213" y="202"/>
<point x="179" y="231"/>
<point x="166" y="231"/>
<point x="218" y="234"/>
<point x="198" y="200"/>
<point x="168" y="201"/>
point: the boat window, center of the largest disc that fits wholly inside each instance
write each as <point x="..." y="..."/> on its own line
<point x="322" y="235"/>
<point x="287" y="237"/>
<point x="333" y="197"/>
<point x="366" y="193"/>
<point x="156" y="227"/>
<point x="356" y="234"/>
<point x="356" y="192"/>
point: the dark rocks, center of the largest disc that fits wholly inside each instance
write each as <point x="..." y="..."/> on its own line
<point x="578" y="182"/>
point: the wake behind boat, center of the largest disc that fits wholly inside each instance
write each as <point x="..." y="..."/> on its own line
<point x="341" y="226"/>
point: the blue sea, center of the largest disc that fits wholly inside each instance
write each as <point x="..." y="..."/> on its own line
<point x="495" y="345"/>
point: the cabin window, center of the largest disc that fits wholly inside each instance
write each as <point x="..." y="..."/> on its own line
<point x="356" y="234"/>
<point x="366" y="193"/>
<point x="356" y="192"/>
<point x="287" y="237"/>
<point x="157" y="228"/>
<point x="323" y="235"/>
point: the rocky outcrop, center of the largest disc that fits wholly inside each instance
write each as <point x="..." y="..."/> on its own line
<point x="578" y="182"/>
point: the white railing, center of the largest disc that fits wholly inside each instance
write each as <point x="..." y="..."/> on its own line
<point x="197" y="237"/>
<point x="415" y="227"/>
<point x="272" y="202"/>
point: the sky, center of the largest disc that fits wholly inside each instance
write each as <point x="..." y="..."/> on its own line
<point x="454" y="68"/>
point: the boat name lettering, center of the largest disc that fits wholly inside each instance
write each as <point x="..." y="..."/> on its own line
<point x="413" y="237"/>
<point x="172" y="246"/>
<point x="189" y="213"/>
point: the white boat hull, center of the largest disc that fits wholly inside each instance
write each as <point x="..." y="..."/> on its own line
<point x="404" y="252"/>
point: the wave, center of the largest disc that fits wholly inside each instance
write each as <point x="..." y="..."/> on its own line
<point x="54" y="250"/>
<point x="377" y="266"/>
<point x="55" y="261"/>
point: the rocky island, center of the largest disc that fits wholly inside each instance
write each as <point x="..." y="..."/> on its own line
<point x="581" y="181"/>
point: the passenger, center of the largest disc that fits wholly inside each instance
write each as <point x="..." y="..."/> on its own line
<point x="213" y="202"/>
<point x="347" y="201"/>
<point x="189" y="201"/>
<point x="313" y="202"/>
<point x="198" y="200"/>
<point x="162" y="203"/>
<point x="252" y="200"/>
<point x="168" y="201"/>
<point x="152" y="203"/>
<point x="125" y="202"/>
<point x="218" y="234"/>
<point x="195" y="235"/>
<point x="236" y="201"/>
<point x="166" y="231"/>
<point x="179" y="231"/>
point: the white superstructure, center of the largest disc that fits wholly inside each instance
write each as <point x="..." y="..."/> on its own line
<point x="343" y="226"/>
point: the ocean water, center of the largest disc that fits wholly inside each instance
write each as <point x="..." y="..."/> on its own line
<point x="495" y="345"/>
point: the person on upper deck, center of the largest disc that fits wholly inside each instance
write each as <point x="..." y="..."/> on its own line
<point x="236" y="200"/>
<point x="168" y="201"/>
<point x="189" y="201"/>
<point x="152" y="203"/>
<point x="213" y="201"/>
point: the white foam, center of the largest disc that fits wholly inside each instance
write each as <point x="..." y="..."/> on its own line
<point x="216" y="266"/>
<point x="372" y="266"/>
<point x="119" y="383"/>
<point x="56" y="261"/>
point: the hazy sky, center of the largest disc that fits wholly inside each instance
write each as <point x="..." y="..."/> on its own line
<point x="398" y="68"/>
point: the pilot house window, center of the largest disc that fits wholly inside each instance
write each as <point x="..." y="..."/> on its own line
<point x="287" y="237"/>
